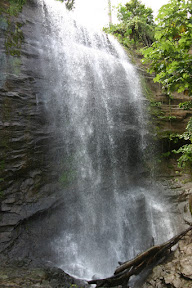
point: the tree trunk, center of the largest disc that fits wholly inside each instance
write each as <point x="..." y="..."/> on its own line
<point x="109" y="12"/>
<point x="135" y="266"/>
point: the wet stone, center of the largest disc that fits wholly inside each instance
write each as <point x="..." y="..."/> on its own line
<point x="11" y="208"/>
<point x="27" y="184"/>
<point x="5" y="236"/>
<point x="186" y="267"/>
<point x="5" y="208"/>
<point x="9" y="200"/>
<point x="34" y="173"/>
<point x="9" y="219"/>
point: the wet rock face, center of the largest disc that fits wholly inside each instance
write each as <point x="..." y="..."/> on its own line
<point x="20" y="274"/>
<point x="165" y="111"/>
<point x="27" y="180"/>
<point x="176" y="272"/>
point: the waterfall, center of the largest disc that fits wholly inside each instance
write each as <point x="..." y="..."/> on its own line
<point x="94" y="103"/>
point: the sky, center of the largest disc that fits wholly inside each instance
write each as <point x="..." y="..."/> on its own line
<point x="94" y="13"/>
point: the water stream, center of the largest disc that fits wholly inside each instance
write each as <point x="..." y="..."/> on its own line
<point x="94" y="100"/>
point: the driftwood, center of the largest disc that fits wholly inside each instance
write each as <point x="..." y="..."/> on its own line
<point x="135" y="266"/>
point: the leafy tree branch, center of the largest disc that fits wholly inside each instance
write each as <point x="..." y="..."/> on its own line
<point x="136" y="24"/>
<point x="170" y="55"/>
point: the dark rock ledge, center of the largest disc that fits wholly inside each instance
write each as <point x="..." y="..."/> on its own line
<point x="21" y="274"/>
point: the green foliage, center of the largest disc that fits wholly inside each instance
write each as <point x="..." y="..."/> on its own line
<point x="186" y="105"/>
<point x="167" y="117"/>
<point x="166" y="154"/>
<point x="75" y="286"/>
<point x="135" y="8"/>
<point x="155" y="104"/>
<point x="136" y="24"/>
<point x="185" y="160"/>
<point x="69" y="3"/>
<point x="169" y="56"/>
<point x="14" y="7"/>
<point x="174" y="137"/>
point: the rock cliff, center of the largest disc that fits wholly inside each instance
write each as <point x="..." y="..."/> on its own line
<point x="28" y="183"/>
<point x="29" y="179"/>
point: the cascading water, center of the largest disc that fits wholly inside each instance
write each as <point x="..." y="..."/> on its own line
<point x="94" y="100"/>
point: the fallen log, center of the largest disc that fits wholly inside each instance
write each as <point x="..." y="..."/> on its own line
<point x="135" y="266"/>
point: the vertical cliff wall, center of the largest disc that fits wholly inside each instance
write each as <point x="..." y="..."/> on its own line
<point x="27" y="180"/>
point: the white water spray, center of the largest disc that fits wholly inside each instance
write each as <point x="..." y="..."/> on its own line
<point x="94" y="99"/>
